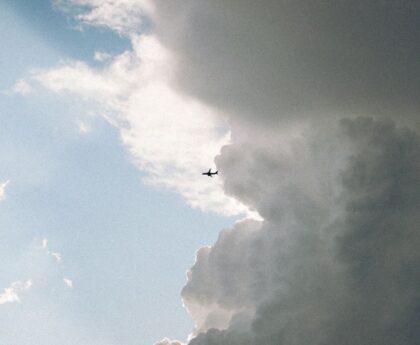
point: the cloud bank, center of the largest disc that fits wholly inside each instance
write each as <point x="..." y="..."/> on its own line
<point x="320" y="97"/>
<point x="296" y="59"/>
<point x="322" y="103"/>
<point x="334" y="260"/>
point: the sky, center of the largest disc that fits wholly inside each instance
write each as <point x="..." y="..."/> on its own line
<point x="67" y="178"/>
<point x="113" y="108"/>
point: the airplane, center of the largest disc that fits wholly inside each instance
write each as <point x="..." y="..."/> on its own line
<point x="210" y="174"/>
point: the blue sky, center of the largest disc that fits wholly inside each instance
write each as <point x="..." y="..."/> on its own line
<point x="125" y="245"/>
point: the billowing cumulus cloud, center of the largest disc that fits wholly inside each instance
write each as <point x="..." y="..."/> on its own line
<point x="322" y="102"/>
<point x="337" y="266"/>
<point x="319" y="97"/>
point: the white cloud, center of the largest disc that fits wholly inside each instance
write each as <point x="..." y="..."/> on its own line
<point x="123" y="16"/>
<point x="44" y="243"/>
<point x="68" y="282"/>
<point x="166" y="341"/>
<point x="101" y="56"/>
<point x="169" y="135"/>
<point x="3" y="186"/>
<point x="21" y="87"/>
<point x="10" y="294"/>
<point x="55" y="255"/>
<point x="84" y="128"/>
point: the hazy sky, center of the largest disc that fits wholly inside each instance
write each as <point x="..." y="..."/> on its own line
<point x="111" y="109"/>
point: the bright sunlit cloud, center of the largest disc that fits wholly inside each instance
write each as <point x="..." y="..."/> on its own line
<point x="170" y="136"/>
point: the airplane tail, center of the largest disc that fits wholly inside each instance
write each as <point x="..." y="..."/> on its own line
<point x="217" y="172"/>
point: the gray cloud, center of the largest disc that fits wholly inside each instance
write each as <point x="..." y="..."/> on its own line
<point x="291" y="59"/>
<point x="338" y="271"/>
<point x="319" y="96"/>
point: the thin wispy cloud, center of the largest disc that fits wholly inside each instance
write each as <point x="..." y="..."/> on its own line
<point x="84" y="128"/>
<point x="3" y="186"/>
<point x="20" y="87"/>
<point x="11" y="293"/>
<point x="68" y="282"/>
<point x="166" y="341"/>
<point x="123" y="16"/>
<point x="101" y="56"/>
<point x="55" y="255"/>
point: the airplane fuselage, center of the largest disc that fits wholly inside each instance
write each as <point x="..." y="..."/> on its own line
<point x="210" y="174"/>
